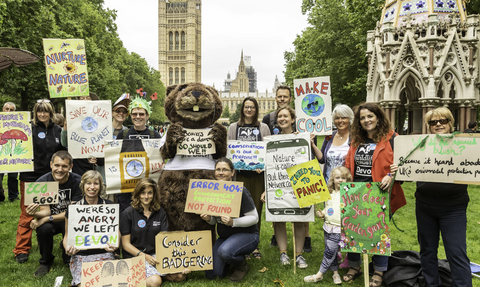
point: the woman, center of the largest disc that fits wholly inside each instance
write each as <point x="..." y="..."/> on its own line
<point x="91" y="186"/>
<point x="237" y="237"/>
<point x="46" y="142"/>
<point x="369" y="159"/>
<point x="140" y="238"/>
<point x="248" y="128"/>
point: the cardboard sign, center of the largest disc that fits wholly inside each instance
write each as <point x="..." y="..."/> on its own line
<point x="196" y="142"/>
<point x="284" y="151"/>
<point x="128" y="161"/>
<point x="89" y="125"/>
<point x="93" y="226"/>
<point x="247" y="155"/>
<point x="313" y="105"/>
<point x="16" y="145"/>
<point x="214" y="197"/>
<point x="442" y="159"/>
<point x="123" y="272"/>
<point x="308" y="183"/>
<point x="364" y="214"/>
<point x="42" y="193"/>
<point x="66" y="66"/>
<point x="180" y="250"/>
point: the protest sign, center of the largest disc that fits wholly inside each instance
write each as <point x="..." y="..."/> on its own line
<point x="93" y="226"/>
<point x="313" y="105"/>
<point x="442" y="158"/>
<point x="180" y="250"/>
<point x="284" y="151"/>
<point x="308" y="183"/>
<point x="123" y="272"/>
<point x="128" y="161"/>
<point x="196" y="142"/>
<point x="364" y="211"/>
<point x="247" y="155"/>
<point x="66" y="66"/>
<point x="214" y="197"/>
<point x="89" y="125"/>
<point x="41" y="192"/>
<point x="16" y="145"/>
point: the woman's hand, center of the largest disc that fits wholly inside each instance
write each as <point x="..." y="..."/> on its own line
<point x="110" y="248"/>
<point x="71" y="250"/>
<point x="393" y="169"/>
<point x="386" y="181"/>
<point x="320" y="214"/>
<point x="151" y="260"/>
<point x="92" y="160"/>
<point x="259" y="170"/>
<point x="206" y="217"/>
<point x="227" y="220"/>
<point x="262" y="197"/>
<point x="186" y="271"/>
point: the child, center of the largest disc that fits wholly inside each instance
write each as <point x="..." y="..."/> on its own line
<point x="331" y="227"/>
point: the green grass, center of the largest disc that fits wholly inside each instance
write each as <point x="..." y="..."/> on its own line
<point x="13" y="274"/>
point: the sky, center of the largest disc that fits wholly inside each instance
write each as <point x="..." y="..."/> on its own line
<point x="264" y="29"/>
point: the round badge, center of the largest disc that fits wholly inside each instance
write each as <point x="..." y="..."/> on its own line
<point x="141" y="223"/>
<point x="330" y="211"/>
<point x="276" y="131"/>
<point x="41" y="135"/>
<point x="256" y="132"/>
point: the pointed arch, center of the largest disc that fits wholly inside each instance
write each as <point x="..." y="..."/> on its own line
<point x="416" y="81"/>
<point x="453" y="84"/>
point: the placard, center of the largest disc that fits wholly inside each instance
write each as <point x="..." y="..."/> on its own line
<point x="196" y="142"/>
<point x="93" y="226"/>
<point x="442" y="158"/>
<point x="89" y="125"/>
<point x="365" y="218"/>
<point x="179" y="250"/>
<point x="313" y="105"/>
<point x="123" y="272"/>
<point x="42" y="193"/>
<point x="284" y="151"/>
<point x="66" y="66"/>
<point x="214" y="197"/>
<point x="308" y="183"/>
<point x="16" y="145"/>
<point x="128" y="161"/>
<point x="247" y="155"/>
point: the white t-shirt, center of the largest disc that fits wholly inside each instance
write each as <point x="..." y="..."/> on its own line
<point x="332" y="214"/>
<point x="335" y="157"/>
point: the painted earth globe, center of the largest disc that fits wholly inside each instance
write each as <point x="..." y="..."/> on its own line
<point x="313" y="105"/>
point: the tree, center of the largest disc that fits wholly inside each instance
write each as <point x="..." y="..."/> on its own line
<point x="236" y="116"/>
<point x="226" y="112"/>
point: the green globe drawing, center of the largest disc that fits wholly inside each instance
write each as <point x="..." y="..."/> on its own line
<point x="313" y="105"/>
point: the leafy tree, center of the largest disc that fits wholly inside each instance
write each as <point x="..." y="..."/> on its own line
<point x="473" y="7"/>
<point x="226" y="112"/>
<point x="236" y="116"/>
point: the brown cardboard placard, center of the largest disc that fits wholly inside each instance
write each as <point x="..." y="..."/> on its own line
<point x="41" y="193"/>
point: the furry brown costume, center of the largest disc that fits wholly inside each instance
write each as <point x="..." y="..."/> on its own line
<point x="193" y="106"/>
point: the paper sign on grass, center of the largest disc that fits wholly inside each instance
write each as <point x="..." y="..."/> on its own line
<point x="66" y="66"/>
<point x="41" y="192"/>
<point x="93" y="226"/>
<point x="308" y="183"/>
<point x="179" y="250"/>
<point x="247" y="155"/>
<point x="443" y="158"/>
<point x="123" y="272"/>
<point x="364" y="211"/>
<point x="214" y="197"/>
<point x="196" y="142"/>
<point x="313" y="105"/>
<point x="16" y="145"/>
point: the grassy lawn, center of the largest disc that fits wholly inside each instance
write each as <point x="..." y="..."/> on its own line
<point x="13" y="274"/>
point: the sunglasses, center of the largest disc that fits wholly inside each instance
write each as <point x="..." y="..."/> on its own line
<point x="312" y="104"/>
<point x="43" y="101"/>
<point x="441" y="121"/>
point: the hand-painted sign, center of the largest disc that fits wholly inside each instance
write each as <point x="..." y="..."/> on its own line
<point x="247" y="155"/>
<point x="16" y="146"/>
<point x="42" y="193"/>
<point x="196" y="142"/>
<point x="364" y="212"/>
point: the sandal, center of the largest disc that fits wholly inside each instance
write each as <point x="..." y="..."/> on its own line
<point x="336" y="279"/>
<point x="312" y="278"/>
<point x="257" y="255"/>
<point x="376" y="283"/>
<point x="349" y="277"/>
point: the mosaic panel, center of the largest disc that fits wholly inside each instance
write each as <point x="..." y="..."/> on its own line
<point x="414" y="7"/>
<point x="445" y="6"/>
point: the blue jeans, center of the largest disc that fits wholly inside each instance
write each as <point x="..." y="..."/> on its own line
<point x="451" y="221"/>
<point x="231" y="251"/>
<point x="380" y="262"/>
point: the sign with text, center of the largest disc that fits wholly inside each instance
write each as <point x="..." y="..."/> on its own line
<point x="443" y="158"/>
<point x="308" y="183"/>
<point x="123" y="272"/>
<point x="284" y="151"/>
<point x="181" y="250"/>
<point x="364" y="210"/>
<point x="128" y="161"/>
<point x="313" y="105"/>
<point x="42" y="193"/>
<point x="66" y="66"/>
<point x="196" y="142"/>
<point x="93" y="226"/>
<point x="247" y="155"/>
<point x="16" y="145"/>
<point x="214" y="197"/>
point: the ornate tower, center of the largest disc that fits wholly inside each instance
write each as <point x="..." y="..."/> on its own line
<point x="241" y="82"/>
<point x="180" y="41"/>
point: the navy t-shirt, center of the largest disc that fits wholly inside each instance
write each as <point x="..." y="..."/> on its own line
<point x="67" y="192"/>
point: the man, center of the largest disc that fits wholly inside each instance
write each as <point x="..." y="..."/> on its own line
<point x="49" y="220"/>
<point x="472" y="128"/>
<point x="12" y="177"/>
<point x="283" y="98"/>
<point x="120" y="114"/>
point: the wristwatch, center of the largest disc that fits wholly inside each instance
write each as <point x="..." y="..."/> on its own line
<point x="50" y="218"/>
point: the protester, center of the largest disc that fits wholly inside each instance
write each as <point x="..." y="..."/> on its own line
<point x="12" y="176"/>
<point x="59" y="120"/>
<point x="120" y="114"/>
<point x="91" y="186"/>
<point x="472" y="128"/>
<point x="237" y="237"/>
<point x="139" y="225"/>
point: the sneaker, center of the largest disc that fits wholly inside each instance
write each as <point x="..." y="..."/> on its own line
<point x="273" y="242"/>
<point x="301" y="263"/>
<point x="284" y="259"/>
<point x="21" y="258"/>
<point x="240" y="272"/>
<point x="42" y="270"/>
<point x="307" y="246"/>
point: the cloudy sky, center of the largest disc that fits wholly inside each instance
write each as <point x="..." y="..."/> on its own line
<point x="264" y="29"/>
